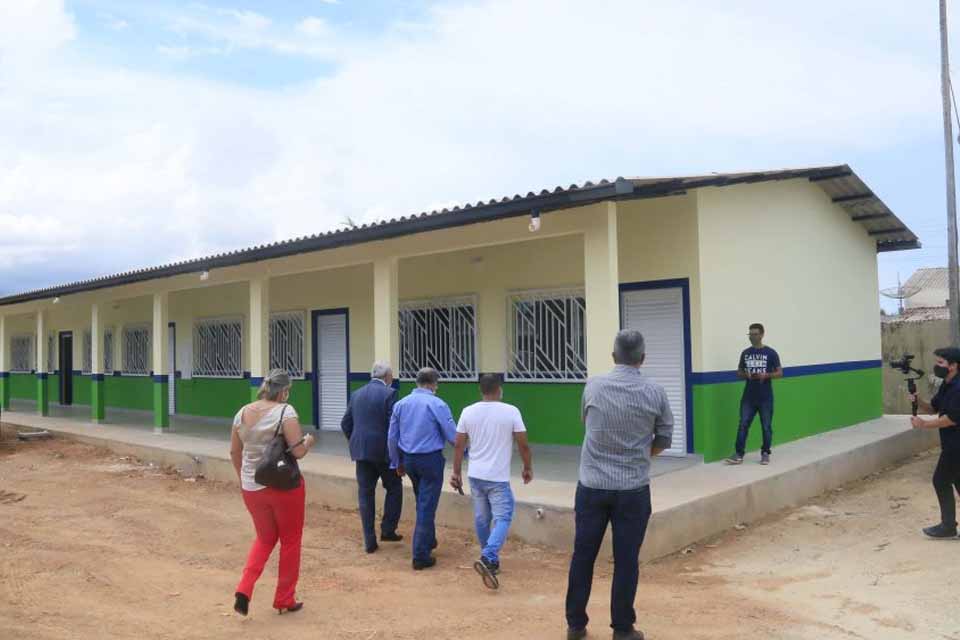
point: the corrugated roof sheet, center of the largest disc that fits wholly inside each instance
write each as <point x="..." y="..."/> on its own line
<point x="927" y="278"/>
<point x="838" y="181"/>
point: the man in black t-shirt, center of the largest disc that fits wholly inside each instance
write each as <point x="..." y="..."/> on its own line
<point x="759" y="364"/>
<point x="946" y="405"/>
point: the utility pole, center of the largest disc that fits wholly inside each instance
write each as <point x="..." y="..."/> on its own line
<point x="952" y="269"/>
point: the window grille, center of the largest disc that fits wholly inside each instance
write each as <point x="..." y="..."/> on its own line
<point x="441" y="334"/>
<point x="286" y="342"/>
<point x="136" y="350"/>
<point x="546" y="336"/>
<point x="108" y="350"/>
<point x="22" y="353"/>
<point x="87" y="362"/>
<point x="51" y="353"/>
<point x="217" y="348"/>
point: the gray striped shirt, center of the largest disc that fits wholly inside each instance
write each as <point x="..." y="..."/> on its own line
<point x="625" y="413"/>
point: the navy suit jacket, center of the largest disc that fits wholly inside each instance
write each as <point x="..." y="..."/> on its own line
<point x="367" y="421"/>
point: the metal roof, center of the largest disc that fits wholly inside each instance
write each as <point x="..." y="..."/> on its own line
<point x="839" y="182"/>
<point x="927" y="278"/>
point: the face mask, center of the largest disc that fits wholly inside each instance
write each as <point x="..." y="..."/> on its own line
<point x="941" y="372"/>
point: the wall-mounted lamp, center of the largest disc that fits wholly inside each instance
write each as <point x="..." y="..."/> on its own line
<point x="204" y="276"/>
<point x="534" y="221"/>
<point x="56" y="300"/>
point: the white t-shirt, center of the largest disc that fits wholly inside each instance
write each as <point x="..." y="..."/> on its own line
<point x="255" y="437"/>
<point x="490" y="427"/>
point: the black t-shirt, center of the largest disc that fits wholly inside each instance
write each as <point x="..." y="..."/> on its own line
<point x="762" y="360"/>
<point x="947" y="403"/>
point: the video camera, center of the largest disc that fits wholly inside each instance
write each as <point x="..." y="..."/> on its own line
<point x="903" y="366"/>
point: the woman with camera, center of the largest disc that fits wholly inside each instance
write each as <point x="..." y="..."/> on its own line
<point x="277" y="513"/>
<point x="946" y="405"/>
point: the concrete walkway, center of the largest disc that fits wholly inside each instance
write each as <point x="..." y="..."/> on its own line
<point x="690" y="503"/>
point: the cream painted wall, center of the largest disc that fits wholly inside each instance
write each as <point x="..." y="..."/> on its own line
<point x="489" y="273"/>
<point x="781" y="253"/>
<point x="659" y="241"/>
<point x="186" y="307"/>
<point x="350" y="288"/>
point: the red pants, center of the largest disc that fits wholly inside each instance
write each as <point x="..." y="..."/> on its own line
<point x="277" y="515"/>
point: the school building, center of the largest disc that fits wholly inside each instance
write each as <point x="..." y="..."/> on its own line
<point x="533" y="287"/>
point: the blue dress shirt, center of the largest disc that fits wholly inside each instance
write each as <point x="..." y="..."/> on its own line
<point x="420" y="423"/>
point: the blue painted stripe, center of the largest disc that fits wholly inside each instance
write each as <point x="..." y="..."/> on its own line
<point x="721" y="377"/>
<point x="42" y="376"/>
<point x="161" y="379"/>
<point x="255" y="381"/>
<point x="359" y="377"/>
<point x="117" y="373"/>
<point x="77" y="372"/>
<point x="96" y="377"/>
<point x="4" y="374"/>
<point x="308" y="375"/>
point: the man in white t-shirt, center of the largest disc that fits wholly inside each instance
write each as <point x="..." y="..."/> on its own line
<point x="490" y="428"/>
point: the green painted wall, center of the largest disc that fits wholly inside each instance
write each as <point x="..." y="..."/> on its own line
<point x="212" y="397"/>
<point x="551" y="411"/>
<point x="23" y="386"/>
<point x="301" y="398"/>
<point x="803" y="406"/>
<point x="81" y="389"/>
<point x="129" y="392"/>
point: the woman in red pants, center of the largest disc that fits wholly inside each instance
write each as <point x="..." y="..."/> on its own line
<point x="277" y="515"/>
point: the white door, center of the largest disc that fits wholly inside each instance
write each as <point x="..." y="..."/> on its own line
<point x="658" y="315"/>
<point x="330" y="336"/>
<point x="171" y="369"/>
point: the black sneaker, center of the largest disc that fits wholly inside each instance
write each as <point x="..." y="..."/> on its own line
<point x="372" y="548"/>
<point x="420" y="565"/>
<point x="495" y="568"/>
<point x="764" y="458"/>
<point x="633" y="634"/>
<point x="241" y="603"/>
<point x="485" y="568"/>
<point x="734" y="459"/>
<point x="391" y="537"/>
<point x="940" y="532"/>
<point x="576" y="634"/>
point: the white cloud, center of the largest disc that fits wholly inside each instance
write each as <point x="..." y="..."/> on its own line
<point x="123" y="168"/>
<point x="314" y="26"/>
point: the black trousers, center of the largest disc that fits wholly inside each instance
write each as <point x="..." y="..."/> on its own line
<point x="628" y="512"/>
<point x="368" y="473"/>
<point x="946" y="479"/>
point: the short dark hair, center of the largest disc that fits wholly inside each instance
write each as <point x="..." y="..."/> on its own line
<point x="427" y="376"/>
<point x="629" y="347"/>
<point x="490" y="383"/>
<point x="950" y="354"/>
<point x="757" y="326"/>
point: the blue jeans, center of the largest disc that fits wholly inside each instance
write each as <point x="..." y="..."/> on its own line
<point x="492" y="503"/>
<point x="368" y="474"/>
<point x="748" y="409"/>
<point x="628" y="512"/>
<point x="426" y="474"/>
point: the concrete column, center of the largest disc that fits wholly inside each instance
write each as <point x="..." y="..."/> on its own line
<point x="602" y="287"/>
<point x="43" y="387"/>
<point x="259" y="333"/>
<point x="386" y="319"/>
<point x="492" y="331"/>
<point x="4" y="364"/>
<point x="161" y="385"/>
<point x="98" y="407"/>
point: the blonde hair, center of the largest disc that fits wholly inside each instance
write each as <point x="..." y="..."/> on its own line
<point x="276" y="382"/>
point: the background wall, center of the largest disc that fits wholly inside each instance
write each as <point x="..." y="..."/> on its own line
<point x="918" y="339"/>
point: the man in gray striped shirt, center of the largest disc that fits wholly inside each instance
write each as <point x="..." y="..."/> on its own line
<point x="628" y="421"/>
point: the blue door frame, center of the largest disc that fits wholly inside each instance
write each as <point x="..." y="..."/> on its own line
<point x="315" y="356"/>
<point x="684" y="285"/>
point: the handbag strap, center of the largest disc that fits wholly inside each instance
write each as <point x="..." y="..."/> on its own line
<point x="280" y="421"/>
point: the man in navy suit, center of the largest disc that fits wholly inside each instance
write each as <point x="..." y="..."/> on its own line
<point x="365" y="424"/>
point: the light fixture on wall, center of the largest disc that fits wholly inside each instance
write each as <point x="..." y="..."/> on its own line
<point x="56" y="300"/>
<point x="204" y="275"/>
<point x="534" y="221"/>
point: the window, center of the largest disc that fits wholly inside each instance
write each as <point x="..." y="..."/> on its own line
<point x="136" y="350"/>
<point x="217" y="348"/>
<point x="286" y="342"/>
<point x="441" y="334"/>
<point x="546" y="336"/>
<point x="108" y="350"/>
<point x="86" y="364"/>
<point x="51" y="353"/>
<point x="22" y="353"/>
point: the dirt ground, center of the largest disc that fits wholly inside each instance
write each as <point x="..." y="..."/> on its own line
<point x="98" y="546"/>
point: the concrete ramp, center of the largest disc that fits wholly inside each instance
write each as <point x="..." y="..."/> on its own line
<point x="689" y="505"/>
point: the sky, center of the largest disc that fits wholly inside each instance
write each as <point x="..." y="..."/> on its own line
<point x="137" y="133"/>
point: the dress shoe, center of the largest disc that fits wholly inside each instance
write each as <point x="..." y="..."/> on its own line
<point x="633" y="634"/>
<point x="576" y="634"/>
<point x="391" y="537"/>
<point x="420" y="565"/>
<point x="372" y="548"/>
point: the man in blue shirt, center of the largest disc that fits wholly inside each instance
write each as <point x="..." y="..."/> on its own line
<point x="420" y="426"/>
<point x="759" y="364"/>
